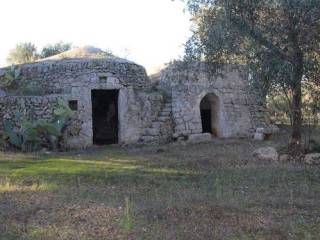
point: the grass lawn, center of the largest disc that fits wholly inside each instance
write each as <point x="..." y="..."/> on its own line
<point x="205" y="191"/>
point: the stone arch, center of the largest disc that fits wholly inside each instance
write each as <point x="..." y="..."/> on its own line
<point x="211" y="114"/>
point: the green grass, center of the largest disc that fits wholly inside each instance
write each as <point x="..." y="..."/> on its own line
<point x="205" y="191"/>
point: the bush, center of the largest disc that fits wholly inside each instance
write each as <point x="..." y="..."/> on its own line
<point x="10" y="75"/>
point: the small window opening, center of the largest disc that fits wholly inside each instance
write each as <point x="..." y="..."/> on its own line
<point x="73" y="105"/>
<point x="103" y="78"/>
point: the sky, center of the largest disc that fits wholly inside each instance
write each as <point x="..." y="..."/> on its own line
<point x="148" y="32"/>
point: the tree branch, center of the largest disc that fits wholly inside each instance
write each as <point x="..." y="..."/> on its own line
<point x="257" y="35"/>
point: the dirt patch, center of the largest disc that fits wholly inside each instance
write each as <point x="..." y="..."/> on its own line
<point x="209" y="222"/>
<point x="46" y="216"/>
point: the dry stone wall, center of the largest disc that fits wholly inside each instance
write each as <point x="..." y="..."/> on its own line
<point x="28" y="107"/>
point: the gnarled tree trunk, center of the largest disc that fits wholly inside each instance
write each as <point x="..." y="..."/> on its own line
<point x="296" y="149"/>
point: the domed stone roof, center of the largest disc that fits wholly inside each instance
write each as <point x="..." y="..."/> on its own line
<point x="86" y="52"/>
<point x="84" y="65"/>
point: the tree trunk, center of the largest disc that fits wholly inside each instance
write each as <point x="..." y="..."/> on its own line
<point x="296" y="149"/>
<point x="296" y="114"/>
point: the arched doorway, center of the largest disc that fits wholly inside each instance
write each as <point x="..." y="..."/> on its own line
<point x="210" y="114"/>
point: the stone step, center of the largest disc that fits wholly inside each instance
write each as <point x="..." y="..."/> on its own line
<point x="164" y="114"/>
<point x="166" y="110"/>
<point x="154" y="132"/>
<point x="149" y="138"/>
<point x="166" y="107"/>
<point x="158" y="124"/>
<point x="163" y="118"/>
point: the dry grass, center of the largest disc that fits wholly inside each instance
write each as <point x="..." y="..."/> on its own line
<point x="206" y="191"/>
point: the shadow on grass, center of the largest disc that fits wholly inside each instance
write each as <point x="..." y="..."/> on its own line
<point x="107" y="167"/>
<point x="114" y="166"/>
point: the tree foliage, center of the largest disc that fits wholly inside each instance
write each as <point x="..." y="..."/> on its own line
<point x="53" y="49"/>
<point x="23" y="53"/>
<point x="8" y="77"/>
<point x="27" y="52"/>
<point x="277" y="39"/>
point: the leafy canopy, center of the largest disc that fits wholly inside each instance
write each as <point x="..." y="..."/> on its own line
<point x="23" y="53"/>
<point x="269" y="35"/>
<point x="27" y="52"/>
<point x="54" y="49"/>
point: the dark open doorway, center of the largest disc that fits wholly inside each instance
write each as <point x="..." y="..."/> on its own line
<point x="206" y="120"/>
<point x="209" y="109"/>
<point x="105" y="116"/>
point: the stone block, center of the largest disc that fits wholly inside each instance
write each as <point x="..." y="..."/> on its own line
<point x="200" y="137"/>
<point x="149" y="139"/>
<point x="260" y="130"/>
<point x="266" y="154"/>
<point x="258" y="136"/>
<point x="152" y="131"/>
<point x="2" y="93"/>
<point x="312" y="158"/>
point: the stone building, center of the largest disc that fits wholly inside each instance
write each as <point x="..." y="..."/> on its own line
<point x="114" y="100"/>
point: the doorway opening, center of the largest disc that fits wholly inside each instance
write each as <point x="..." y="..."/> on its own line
<point x="105" y="116"/>
<point x="210" y="110"/>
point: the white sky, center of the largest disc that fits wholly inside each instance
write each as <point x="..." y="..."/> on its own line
<point x="149" y="32"/>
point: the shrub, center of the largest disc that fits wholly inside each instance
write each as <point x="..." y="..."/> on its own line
<point x="10" y="75"/>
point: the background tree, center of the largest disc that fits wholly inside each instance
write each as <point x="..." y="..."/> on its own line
<point x="53" y="49"/>
<point x="276" y="38"/>
<point x="23" y="53"/>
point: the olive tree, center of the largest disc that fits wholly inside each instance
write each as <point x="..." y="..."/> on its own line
<point x="277" y="39"/>
<point x="23" y="53"/>
<point x="53" y="49"/>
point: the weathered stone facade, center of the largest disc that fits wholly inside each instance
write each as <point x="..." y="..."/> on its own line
<point x="165" y="109"/>
<point x="238" y="111"/>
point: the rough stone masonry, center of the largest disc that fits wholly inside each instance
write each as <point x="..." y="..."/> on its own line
<point x="182" y="102"/>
